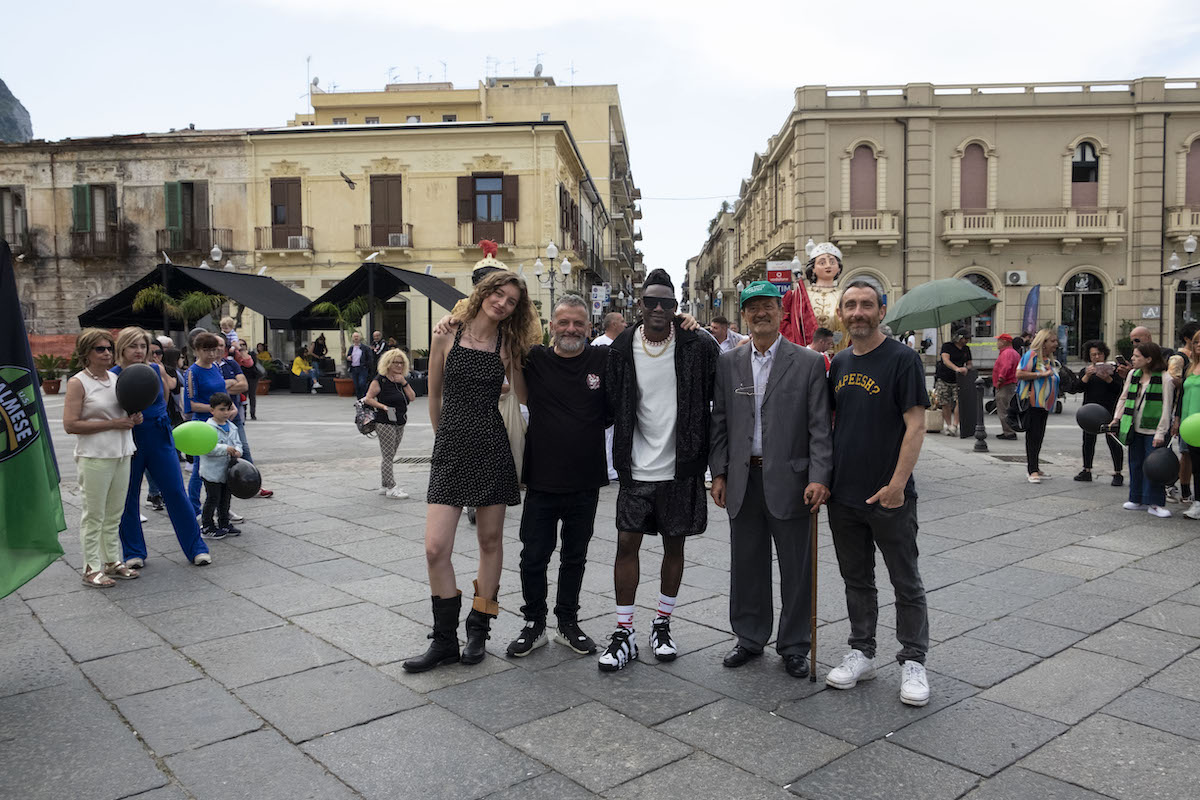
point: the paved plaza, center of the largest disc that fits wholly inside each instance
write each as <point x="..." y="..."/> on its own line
<point x="1063" y="661"/>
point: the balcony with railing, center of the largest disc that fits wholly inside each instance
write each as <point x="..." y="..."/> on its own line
<point x="1069" y="226"/>
<point x="384" y="237"/>
<point x="1182" y="222"/>
<point x="110" y="241"/>
<point x="284" y="239"/>
<point x="201" y="240"/>
<point x="504" y="234"/>
<point x="881" y="228"/>
<point x="781" y="242"/>
<point x="22" y="244"/>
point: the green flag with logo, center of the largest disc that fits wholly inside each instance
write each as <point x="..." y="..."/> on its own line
<point x="31" y="512"/>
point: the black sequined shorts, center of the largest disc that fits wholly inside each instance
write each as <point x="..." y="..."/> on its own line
<point x="677" y="507"/>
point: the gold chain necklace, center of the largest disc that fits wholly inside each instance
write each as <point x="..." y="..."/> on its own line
<point x="665" y="344"/>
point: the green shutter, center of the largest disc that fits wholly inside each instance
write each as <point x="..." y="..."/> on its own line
<point x="173" y="194"/>
<point x="82" y="221"/>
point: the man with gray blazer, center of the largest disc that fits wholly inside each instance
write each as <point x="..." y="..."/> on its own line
<point x="771" y="459"/>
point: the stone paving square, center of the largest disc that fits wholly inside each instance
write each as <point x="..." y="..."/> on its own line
<point x="757" y="741"/>
<point x="139" y="671"/>
<point x="698" y="775"/>
<point x="297" y="596"/>
<point x="1163" y="711"/>
<point x="366" y="631"/>
<point x="1139" y="644"/>
<point x="211" y="714"/>
<point x="508" y="699"/>
<point x="547" y="786"/>
<point x="261" y="655"/>
<point x="649" y="696"/>
<point x="326" y="699"/>
<point x="427" y="753"/>
<point x="1178" y="618"/>
<point x="977" y="662"/>
<point x="99" y="634"/>
<point x="1027" y="635"/>
<point x="1079" y="611"/>
<point x="763" y="682"/>
<point x="884" y="771"/>
<point x="978" y="736"/>
<point x="1181" y="678"/>
<point x="595" y="746"/>
<point x="228" y="617"/>
<point x="1021" y="784"/>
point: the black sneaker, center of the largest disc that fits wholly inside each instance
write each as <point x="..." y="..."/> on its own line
<point x="1084" y="475"/>
<point x="1118" y="480"/>
<point x="661" y="643"/>
<point x="155" y="502"/>
<point x="232" y="531"/>
<point x="533" y="636"/>
<point x="574" y="638"/>
<point x="621" y="650"/>
<point x="213" y="533"/>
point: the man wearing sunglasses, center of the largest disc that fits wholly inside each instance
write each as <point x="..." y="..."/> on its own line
<point x="659" y="386"/>
<point x="771" y="460"/>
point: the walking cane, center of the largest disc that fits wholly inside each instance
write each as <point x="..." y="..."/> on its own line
<point x="812" y="532"/>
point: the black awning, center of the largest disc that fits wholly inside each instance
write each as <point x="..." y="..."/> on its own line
<point x="389" y="281"/>
<point x="259" y="293"/>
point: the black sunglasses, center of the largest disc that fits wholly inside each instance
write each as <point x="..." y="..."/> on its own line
<point x="651" y="303"/>
<point x="103" y="348"/>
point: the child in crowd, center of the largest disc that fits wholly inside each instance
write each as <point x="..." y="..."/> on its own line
<point x="214" y="469"/>
<point x="231" y="335"/>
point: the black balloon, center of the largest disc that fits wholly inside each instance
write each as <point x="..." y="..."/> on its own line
<point x="137" y="388"/>
<point x="1161" y="466"/>
<point x="1091" y="416"/>
<point x="244" y="479"/>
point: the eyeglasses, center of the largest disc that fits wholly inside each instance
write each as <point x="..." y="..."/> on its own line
<point x="156" y="352"/>
<point x="651" y="303"/>
<point x="103" y="348"/>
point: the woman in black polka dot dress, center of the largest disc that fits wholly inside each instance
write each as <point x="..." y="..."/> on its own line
<point x="472" y="464"/>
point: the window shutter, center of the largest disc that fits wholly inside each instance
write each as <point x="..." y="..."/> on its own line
<point x="466" y="199"/>
<point x="82" y="216"/>
<point x="173" y="203"/>
<point x="200" y="205"/>
<point x="575" y="224"/>
<point x="512" y="200"/>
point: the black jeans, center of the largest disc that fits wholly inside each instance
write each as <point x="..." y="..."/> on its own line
<point x="539" y="533"/>
<point x="252" y="392"/>
<point x="1035" y="432"/>
<point x="216" y="499"/>
<point x="1114" y="447"/>
<point x="856" y="534"/>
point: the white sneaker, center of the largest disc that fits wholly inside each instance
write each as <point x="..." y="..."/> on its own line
<point x="144" y="518"/>
<point x="1035" y="478"/>
<point x="621" y="650"/>
<point x="396" y="493"/>
<point x="661" y="643"/>
<point x="314" y="390"/>
<point x="236" y="517"/>
<point x="855" y="667"/>
<point x="1158" y="511"/>
<point x="1173" y="494"/>
<point x="914" y="684"/>
<point x="135" y="563"/>
<point x="1193" y="511"/>
<point x="202" y="559"/>
<point x="316" y="385"/>
<point x="1131" y="506"/>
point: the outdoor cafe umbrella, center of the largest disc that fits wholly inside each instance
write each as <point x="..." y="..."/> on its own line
<point x="934" y="304"/>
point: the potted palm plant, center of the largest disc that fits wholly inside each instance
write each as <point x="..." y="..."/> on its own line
<point x="186" y="308"/>
<point x="347" y="318"/>
<point x="50" y="368"/>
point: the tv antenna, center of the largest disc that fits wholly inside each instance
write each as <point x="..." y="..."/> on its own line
<point x="391" y="74"/>
<point x="537" y="71"/>
<point x="572" y="70"/>
<point x="444" y="71"/>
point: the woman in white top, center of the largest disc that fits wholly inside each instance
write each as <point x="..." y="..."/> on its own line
<point x="102" y="454"/>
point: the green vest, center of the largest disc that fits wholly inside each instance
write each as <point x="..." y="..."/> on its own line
<point x="1151" y="405"/>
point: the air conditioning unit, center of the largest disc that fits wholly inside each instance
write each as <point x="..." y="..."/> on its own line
<point x="298" y="243"/>
<point x="1016" y="277"/>
<point x="397" y="240"/>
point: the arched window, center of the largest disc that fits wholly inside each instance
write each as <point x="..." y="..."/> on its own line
<point x="980" y="326"/>
<point x="1082" y="311"/>
<point x="1192" y="191"/>
<point x="973" y="189"/>
<point x="1085" y="176"/>
<point x="863" y="176"/>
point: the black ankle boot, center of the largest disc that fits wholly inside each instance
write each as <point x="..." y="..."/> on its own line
<point x="479" y="627"/>
<point x="444" y="647"/>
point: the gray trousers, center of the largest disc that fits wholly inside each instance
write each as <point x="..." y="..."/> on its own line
<point x="1004" y="396"/>
<point x="751" y="606"/>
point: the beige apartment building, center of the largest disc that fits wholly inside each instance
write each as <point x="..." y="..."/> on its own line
<point x="306" y="204"/>
<point x="1083" y="189"/>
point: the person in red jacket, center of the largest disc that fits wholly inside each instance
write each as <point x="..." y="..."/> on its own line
<point x="1004" y="380"/>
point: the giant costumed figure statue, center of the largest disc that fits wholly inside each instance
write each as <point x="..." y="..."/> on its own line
<point x="822" y="271"/>
<point x="799" y="323"/>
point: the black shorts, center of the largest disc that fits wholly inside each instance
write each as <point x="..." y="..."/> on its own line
<point x="677" y="507"/>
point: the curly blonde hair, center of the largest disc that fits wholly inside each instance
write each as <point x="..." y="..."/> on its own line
<point x="385" y="360"/>
<point x="86" y="340"/>
<point x="514" y="327"/>
<point x="129" y="336"/>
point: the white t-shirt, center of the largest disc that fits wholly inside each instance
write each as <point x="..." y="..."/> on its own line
<point x="732" y="340"/>
<point x="602" y="339"/>
<point x="654" y="435"/>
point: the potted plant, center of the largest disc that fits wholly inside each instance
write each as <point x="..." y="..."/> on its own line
<point x="50" y="368"/>
<point x="191" y="306"/>
<point x="420" y="360"/>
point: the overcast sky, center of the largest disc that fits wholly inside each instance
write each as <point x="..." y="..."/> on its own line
<point x="703" y="85"/>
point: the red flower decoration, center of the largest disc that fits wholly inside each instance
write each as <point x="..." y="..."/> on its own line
<point x="489" y="248"/>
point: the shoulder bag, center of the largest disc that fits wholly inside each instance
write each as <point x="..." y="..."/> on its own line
<point x="514" y="424"/>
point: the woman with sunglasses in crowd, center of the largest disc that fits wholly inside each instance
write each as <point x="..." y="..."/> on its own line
<point x="103" y="451"/>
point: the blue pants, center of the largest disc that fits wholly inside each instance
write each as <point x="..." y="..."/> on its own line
<point x="362" y="381"/>
<point x="156" y="455"/>
<point x="1141" y="489"/>
<point x="193" y="488"/>
<point x="239" y="422"/>
<point x="151" y="486"/>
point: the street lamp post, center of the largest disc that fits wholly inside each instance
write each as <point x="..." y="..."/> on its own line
<point x="549" y="279"/>
<point x="1189" y="247"/>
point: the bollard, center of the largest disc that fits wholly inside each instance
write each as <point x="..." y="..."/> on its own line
<point x="980" y="430"/>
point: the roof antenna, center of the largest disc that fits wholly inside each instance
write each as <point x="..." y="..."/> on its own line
<point x="444" y="71"/>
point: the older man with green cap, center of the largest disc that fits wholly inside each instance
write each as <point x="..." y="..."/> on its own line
<point x="771" y="459"/>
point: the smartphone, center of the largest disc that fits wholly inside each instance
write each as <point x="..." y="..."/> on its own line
<point x="1122" y="360"/>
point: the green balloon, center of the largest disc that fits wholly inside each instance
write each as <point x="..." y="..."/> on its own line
<point x="195" y="438"/>
<point x="1189" y="430"/>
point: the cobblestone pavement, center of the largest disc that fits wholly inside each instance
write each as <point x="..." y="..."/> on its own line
<point x="1064" y="659"/>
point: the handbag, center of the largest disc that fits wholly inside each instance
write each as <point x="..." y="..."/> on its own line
<point x="1068" y="381"/>
<point x="364" y="418"/>
<point x="514" y="424"/>
<point x="1017" y="414"/>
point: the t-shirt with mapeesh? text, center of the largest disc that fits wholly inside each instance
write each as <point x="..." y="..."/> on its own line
<point x="869" y="395"/>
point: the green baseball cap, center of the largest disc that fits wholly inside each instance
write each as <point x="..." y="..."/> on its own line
<point x="759" y="289"/>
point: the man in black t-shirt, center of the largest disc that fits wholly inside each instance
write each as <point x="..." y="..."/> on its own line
<point x="565" y="466"/>
<point x="879" y="400"/>
<point x="955" y="359"/>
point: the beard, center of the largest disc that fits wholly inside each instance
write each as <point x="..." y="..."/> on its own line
<point x="861" y="328"/>
<point x="569" y="343"/>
